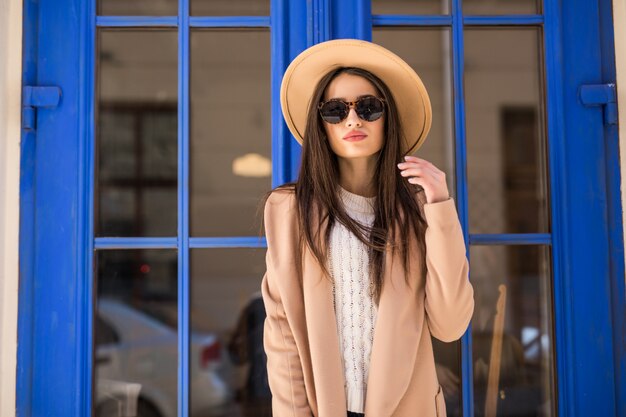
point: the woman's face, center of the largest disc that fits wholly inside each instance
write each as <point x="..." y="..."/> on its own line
<point x="349" y="87"/>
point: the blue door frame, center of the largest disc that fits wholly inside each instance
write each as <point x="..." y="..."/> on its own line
<point x="56" y="222"/>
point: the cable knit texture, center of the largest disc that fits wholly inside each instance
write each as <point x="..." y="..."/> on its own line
<point x="354" y="309"/>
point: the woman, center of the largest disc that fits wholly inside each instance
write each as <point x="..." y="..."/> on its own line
<point x="365" y="252"/>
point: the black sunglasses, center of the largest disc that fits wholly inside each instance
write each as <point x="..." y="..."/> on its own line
<point x="368" y="108"/>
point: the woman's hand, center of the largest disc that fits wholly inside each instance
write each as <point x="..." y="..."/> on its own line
<point x="433" y="180"/>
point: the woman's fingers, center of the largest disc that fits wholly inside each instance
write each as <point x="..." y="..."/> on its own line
<point x="428" y="176"/>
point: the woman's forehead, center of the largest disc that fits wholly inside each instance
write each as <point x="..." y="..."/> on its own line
<point x="349" y="87"/>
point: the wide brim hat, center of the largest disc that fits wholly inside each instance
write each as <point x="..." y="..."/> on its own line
<point x="408" y="90"/>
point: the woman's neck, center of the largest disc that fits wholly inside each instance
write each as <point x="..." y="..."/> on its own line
<point x="356" y="176"/>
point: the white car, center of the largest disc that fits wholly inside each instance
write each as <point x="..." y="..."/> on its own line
<point x="136" y="364"/>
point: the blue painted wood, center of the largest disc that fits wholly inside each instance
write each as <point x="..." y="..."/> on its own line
<point x="136" y="243"/>
<point x="554" y="84"/>
<point x="41" y="96"/>
<point x="584" y="291"/>
<point x="230" y="21"/>
<point x="279" y="49"/>
<point x="511" y="239"/>
<point x="517" y="19"/>
<point x="56" y="185"/>
<point x="37" y="96"/>
<point x="318" y="21"/>
<point x="85" y="201"/>
<point x="139" y="21"/>
<point x="50" y="287"/>
<point x="194" y="21"/>
<point x="227" y="242"/>
<point x="601" y="94"/>
<point x="411" y="20"/>
<point x="183" y="208"/>
<point x="298" y="35"/>
<point x="26" y="321"/>
<point x="614" y="211"/>
<point x="458" y="61"/>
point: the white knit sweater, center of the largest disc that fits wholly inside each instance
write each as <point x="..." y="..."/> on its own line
<point x="355" y="311"/>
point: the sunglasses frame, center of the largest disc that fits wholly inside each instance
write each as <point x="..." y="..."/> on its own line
<point x="350" y="105"/>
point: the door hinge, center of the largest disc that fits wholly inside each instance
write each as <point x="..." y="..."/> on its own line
<point x="601" y="94"/>
<point x="37" y="96"/>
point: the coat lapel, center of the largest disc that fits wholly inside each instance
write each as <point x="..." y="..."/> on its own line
<point x="397" y="328"/>
<point x="396" y="336"/>
<point x="328" y="377"/>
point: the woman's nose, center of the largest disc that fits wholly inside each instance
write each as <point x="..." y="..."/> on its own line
<point x="352" y="119"/>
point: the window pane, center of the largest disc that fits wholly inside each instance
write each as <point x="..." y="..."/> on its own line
<point x="493" y="7"/>
<point x="135" y="332"/>
<point x="448" y="369"/>
<point x="230" y="158"/>
<point x="230" y="8"/>
<point x="410" y="7"/>
<point x="227" y="311"/>
<point x="428" y="53"/>
<point x="136" y="136"/>
<point x="506" y="141"/>
<point x="137" y="7"/>
<point x="513" y="354"/>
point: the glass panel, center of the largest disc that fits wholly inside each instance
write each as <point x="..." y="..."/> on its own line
<point x="513" y="357"/>
<point x="230" y="158"/>
<point x="227" y="363"/>
<point x="448" y="369"/>
<point x="506" y="140"/>
<point x="137" y="7"/>
<point x="428" y="53"/>
<point x="136" y="136"/>
<point x="493" y="7"/>
<point x="135" y="333"/>
<point x="229" y="7"/>
<point x="410" y="7"/>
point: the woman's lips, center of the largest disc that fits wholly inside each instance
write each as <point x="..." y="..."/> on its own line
<point x="355" y="138"/>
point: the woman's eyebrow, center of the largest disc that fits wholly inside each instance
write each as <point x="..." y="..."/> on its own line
<point x="343" y="98"/>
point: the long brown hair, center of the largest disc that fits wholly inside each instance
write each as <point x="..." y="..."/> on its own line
<point x="317" y="195"/>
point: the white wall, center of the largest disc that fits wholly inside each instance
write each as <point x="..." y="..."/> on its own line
<point x="10" y="99"/>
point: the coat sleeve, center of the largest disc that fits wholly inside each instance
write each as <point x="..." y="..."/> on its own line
<point x="284" y="368"/>
<point x="449" y="295"/>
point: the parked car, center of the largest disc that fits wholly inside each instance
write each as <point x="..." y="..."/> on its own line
<point x="134" y="347"/>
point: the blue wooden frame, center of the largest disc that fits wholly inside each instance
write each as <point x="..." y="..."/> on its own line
<point x="57" y="241"/>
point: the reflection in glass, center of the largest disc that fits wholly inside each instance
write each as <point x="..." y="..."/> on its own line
<point x="229" y="8"/>
<point x="448" y="369"/>
<point x="230" y="157"/>
<point x="137" y="7"/>
<point x="506" y="140"/>
<point x="226" y="304"/>
<point x="410" y="7"/>
<point x="494" y="7"/>
<point x="512" y="333"/>
<point x="136" y="137"/>
<point x="135" y="333"/>
<point x="428" y="53"/>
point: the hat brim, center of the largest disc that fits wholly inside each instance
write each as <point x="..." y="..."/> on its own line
<point x="305" y="71"/>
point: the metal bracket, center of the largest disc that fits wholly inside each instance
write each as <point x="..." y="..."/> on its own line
<point x="601" y="94"/>
<point x="37" y="96"/>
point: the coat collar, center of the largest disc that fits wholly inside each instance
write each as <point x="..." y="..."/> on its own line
<point x="397" y="328"/>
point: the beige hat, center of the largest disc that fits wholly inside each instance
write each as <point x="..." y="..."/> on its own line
<point x="312" y="64"/>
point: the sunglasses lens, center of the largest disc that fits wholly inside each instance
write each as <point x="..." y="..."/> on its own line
<point x="334" y="111"/>
<point x="369" y="108"/>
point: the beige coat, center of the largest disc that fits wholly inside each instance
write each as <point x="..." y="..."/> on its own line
<point x="305" y="369"/>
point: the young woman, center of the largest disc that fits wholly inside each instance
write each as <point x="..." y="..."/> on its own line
<point x="365" y="253"/>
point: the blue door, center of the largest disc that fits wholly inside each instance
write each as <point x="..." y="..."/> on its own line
<point x="152" y="130"/>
